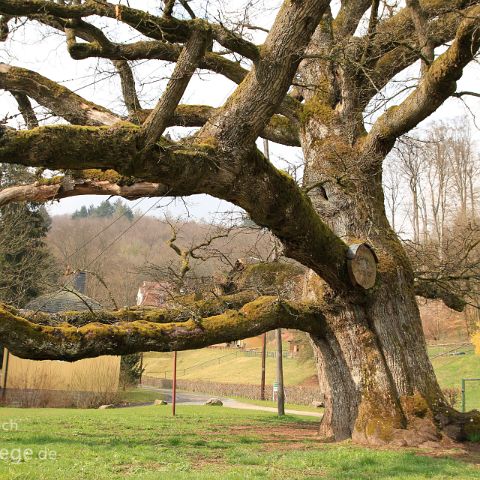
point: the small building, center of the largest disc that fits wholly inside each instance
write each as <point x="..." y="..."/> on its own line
<point x="84" y="383"/>
<point x="154" y="294"/>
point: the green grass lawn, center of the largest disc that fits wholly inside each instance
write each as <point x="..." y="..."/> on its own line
<point x="451" y="369"/>
<point x="146" y="443"/>
<point x="270" y="403"/>
<point x="138" y="395"/>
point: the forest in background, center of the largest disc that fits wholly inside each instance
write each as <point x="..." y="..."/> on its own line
<point x="121" y="252"/>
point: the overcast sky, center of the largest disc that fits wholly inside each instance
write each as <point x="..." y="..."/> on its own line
<point x="44" y="51"/>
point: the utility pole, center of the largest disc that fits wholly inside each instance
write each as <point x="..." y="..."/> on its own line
<point x="264" y="355"/>
<point x="281" y="391"/>
<point x="266" y="151"/>
<point x="174" y="383"/>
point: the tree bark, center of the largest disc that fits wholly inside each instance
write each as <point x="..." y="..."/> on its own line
<point x="372" y="360"/>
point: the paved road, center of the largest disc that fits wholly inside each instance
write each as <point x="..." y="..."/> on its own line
<point x="186" y="398"/>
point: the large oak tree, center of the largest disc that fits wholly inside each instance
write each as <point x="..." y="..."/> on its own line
<point x="309" y="84"/>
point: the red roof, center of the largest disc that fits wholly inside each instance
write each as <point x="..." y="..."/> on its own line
<point x="154" y="294"/>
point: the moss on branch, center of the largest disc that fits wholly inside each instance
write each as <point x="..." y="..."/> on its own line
<point x="66" y="342"/>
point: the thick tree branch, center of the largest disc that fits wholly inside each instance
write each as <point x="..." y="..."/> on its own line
<point x="396" y="45"/>
<point x="248" y="110"/>
<point x="128" y="86"/>
<point x="159" y="118"/>
<point x="401" y="27"/>
<point x="100" y="46"/>
<point x="438" y="83"/>
<point x="432" y="291"/>
<point x="279" y="130"/>
<point x="29" y="340"/>
<point x="168" y="7"/>
<point x="58" y="99"/>
<point x="64" y="103"/>
<point x="152" y="50"/>
<point x="272" y="198"/>
<point x="4" y="28"/>
<point x="420" y="22"/>
<point x="92" y="183"/>
<point x="349" y="16"/>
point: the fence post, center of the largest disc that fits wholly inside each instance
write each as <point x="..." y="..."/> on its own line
<point x="463" y="395"/>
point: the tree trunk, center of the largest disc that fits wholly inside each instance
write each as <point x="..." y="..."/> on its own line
<point x="373" y="366"/>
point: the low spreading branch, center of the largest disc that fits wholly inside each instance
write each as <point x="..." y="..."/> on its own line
<point x="432" y="291"/>
<point x="272" y="198"/>
<point x="40" y="342"/>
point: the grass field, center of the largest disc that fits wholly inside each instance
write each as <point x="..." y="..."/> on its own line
<point x="146" y="443"/>
<point x="230" y="369"/>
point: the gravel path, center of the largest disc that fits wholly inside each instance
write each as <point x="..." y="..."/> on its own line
<point x="186" y="398"/>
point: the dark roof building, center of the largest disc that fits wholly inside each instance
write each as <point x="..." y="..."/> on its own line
<point x="65" y="299"/>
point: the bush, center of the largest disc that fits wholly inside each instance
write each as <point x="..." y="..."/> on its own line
<point x="131" y="370"/>
<point x="451" y="395"/>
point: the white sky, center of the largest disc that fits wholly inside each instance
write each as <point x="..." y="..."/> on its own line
<point x="32" y="48"/>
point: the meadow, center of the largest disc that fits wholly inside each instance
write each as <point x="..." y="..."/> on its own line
<point x="147" y="443"/>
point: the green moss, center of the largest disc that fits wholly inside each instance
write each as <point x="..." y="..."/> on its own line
<point x="101" y="175"/>
<point x="55" y="180"/>
<point x="268" y="276"/>
<point x="318" y="109"/>
<point x="279" y="122"/>
<point x="472" y="428"/>
<point x="415" y="406"/>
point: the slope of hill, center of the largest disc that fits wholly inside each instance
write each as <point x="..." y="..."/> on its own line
<point x="225" y="365"/>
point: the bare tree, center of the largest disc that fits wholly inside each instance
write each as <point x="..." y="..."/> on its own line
<point x="312" y="83"/>
<point x="465" y="168"/>
<point x="412" y="168"/>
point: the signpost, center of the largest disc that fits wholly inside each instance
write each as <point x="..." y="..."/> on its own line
<point x="275" y="390"/>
